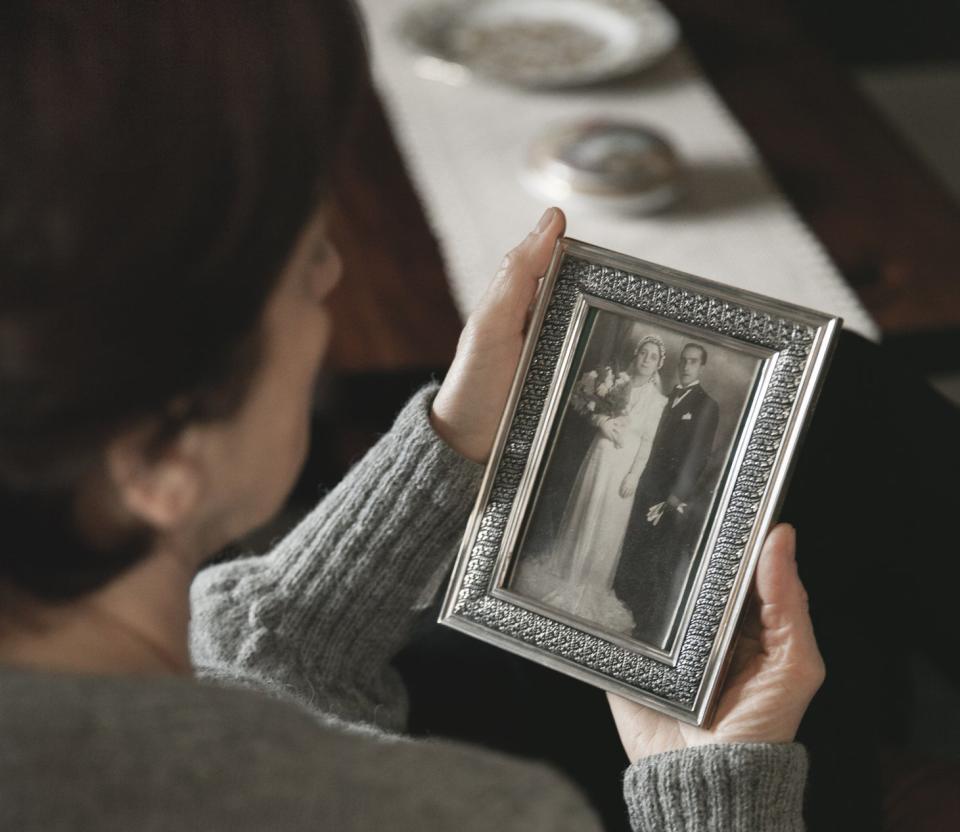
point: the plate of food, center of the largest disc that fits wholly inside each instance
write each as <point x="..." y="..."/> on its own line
<point x="537" y="43"/>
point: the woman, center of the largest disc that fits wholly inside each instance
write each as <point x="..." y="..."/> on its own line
<point x="595" y="521"/>
<point x="163" y="270"/>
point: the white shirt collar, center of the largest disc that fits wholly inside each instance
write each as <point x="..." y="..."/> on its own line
<point x="681" y="392"/>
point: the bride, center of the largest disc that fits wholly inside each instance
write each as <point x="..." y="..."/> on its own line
<point x="595" y="520"/>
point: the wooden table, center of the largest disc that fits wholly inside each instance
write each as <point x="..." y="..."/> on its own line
<point x="891" y="228"/>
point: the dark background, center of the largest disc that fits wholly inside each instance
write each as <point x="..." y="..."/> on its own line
<point x="881" y="32"/>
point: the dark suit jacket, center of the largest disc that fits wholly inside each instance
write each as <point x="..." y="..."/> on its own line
<point x="681" y="447"/>
<point x="653" y="565"/>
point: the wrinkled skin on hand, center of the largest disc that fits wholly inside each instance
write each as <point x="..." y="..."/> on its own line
<point x="775" y="671"/>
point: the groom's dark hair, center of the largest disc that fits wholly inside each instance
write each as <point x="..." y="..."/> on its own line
<point x="703" y="351"/>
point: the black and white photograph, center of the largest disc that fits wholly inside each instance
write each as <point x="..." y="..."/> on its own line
<point x="649" y="416"/>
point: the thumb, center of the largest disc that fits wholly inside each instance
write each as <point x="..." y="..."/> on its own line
<point x="784" y="605"/>
<point x="513" y="288"/>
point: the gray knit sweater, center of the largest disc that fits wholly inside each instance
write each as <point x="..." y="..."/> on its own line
<point x="295" y="722"/>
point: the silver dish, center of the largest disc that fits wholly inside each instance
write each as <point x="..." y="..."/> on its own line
<point x="605" y="164"/>
<point x="537" y="43"/>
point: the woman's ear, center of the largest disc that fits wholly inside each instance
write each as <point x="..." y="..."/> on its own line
<point x="162" y="489"/>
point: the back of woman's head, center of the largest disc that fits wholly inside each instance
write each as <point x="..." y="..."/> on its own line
<point x="157" y="162"/>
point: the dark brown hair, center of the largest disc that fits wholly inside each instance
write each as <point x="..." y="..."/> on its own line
<point x="703" y="350"/>
<point x="157" y="162"/>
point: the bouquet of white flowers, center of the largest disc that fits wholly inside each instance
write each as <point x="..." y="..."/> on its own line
<point x="601" y="393"/>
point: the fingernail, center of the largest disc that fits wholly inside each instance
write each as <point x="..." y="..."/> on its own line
<point x="545" y="220"/>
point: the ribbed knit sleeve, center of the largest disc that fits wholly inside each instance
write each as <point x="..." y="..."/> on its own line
<point x="322" y="614"/>
<point x="755" y="787"/>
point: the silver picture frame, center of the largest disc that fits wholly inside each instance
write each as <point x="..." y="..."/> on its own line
<point x="777" y="355"/>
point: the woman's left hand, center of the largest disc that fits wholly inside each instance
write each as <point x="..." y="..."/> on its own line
<point x="469" y="404"/>
<point x="776" y="670"/>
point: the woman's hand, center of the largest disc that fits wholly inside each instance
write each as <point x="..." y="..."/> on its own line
<point x="629" y="486"/>
<point x="469" y="404"/>
<point x="775" y="672"/>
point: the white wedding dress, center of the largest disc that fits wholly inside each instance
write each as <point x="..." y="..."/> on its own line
<point x="579" y="571"/>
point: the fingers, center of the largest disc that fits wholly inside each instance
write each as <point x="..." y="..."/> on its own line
<point x="515" y="285"/>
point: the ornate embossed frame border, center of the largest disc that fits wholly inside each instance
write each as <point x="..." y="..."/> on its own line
<point x="795" y="345"/>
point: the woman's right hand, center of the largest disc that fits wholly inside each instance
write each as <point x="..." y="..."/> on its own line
<point x="629" y="486"/>
<point x="471" y="399"/>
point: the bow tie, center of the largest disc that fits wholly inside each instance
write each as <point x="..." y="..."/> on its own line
<point x="678" y="394"/>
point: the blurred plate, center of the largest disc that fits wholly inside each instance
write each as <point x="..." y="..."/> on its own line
<point x="537" y="43"/>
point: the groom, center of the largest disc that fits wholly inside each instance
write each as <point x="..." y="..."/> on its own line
<point x="655" y="557"/>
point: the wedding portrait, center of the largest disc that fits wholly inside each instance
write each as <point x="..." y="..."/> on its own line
<point x="615" y="529"/>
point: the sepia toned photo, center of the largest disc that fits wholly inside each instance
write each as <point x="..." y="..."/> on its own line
<point x="650" y="414"/>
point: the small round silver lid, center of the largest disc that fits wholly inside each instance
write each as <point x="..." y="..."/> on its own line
<point x="601" y="163"/>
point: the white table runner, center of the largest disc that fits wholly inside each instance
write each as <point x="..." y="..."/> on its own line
<point x="464" y="148"/>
